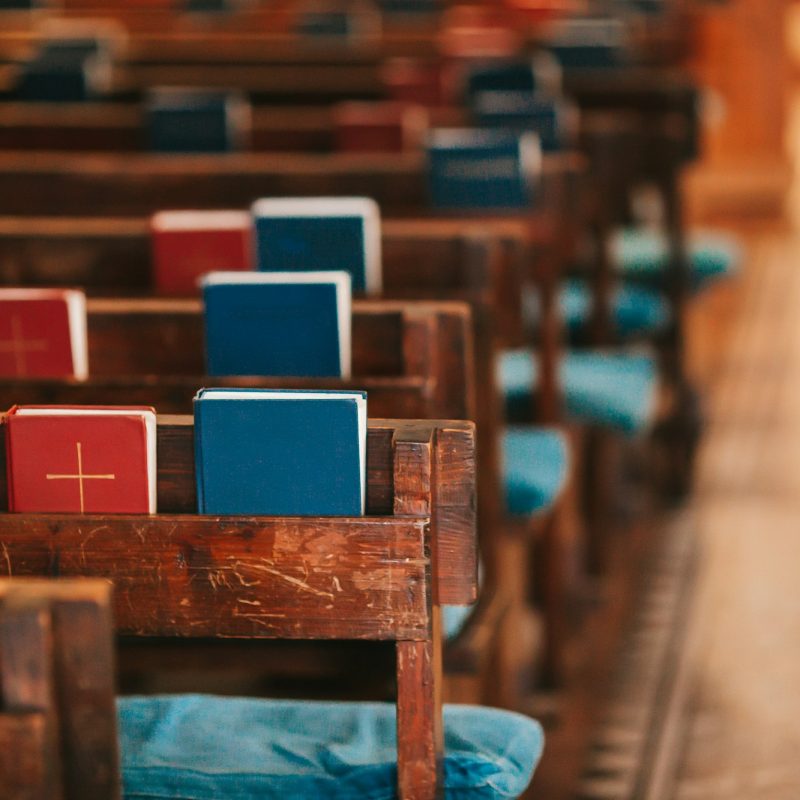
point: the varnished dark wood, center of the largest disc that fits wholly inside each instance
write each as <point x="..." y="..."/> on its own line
<point x="133" y="184"/>
<point x="57" y="682"/>
<point x="237" y="576"/>
<point x="455" y="513"/>
<point x="413" y="358"/>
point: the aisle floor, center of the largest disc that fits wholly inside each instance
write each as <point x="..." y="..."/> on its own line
<point x="740" y="688"/>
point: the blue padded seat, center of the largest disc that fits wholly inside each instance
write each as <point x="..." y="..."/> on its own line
<point x="635" y="309"/>
<point x="609" y="389"/>
<point x="201" y="747"/>
<point x="535" y="468"/>
<point x="642" y="254"/>
<point x="454" y="618"/>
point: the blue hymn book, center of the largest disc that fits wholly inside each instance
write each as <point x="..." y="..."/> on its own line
<point x="278" y="323"/>
<point x="189" y="120"/>
<point x="320" y="233"/>
<point x="539" y="74"/>
<point x="555" y="120"/>
<point x="471" y="169"/>
<point x="280" y="452"/>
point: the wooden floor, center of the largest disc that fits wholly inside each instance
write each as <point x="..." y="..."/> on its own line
<point x="734" y="722"/>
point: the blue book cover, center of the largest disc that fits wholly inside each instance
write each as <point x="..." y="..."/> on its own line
<point x="278" y="324"/>
<point x="482" y="169"/>
<point x="65" y="73"/>
<point x="280" y="453"/>
<point x="540" y="73"/>
<point x="320" y="233"/>
<point x="590" y="43"/>
<point x="554" y="120"/>
<point x="197" y="121"/>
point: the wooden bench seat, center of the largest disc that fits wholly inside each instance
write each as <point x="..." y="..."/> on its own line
<point x="420" y="483"/>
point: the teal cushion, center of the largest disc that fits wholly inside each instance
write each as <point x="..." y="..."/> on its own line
<point x="454" y="618"/>
<point x="643" y="254"/>
<point x="636" y="309"/>
<point x="535" y="468"/>
<point x="200" y="747"/>
<point x="614" y="390"/>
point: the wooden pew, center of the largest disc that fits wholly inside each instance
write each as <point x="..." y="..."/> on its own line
<point x="422" y="259"/>
<point x="420" y="513"/>
<point x="58" y="726"/>
<point x="49" y="183"/>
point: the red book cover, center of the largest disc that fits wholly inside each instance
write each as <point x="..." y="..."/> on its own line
<point x="89" y="460"/>
<point x="43" y="333"/>
<point x="189" y="244"/>
<point x="379" y="127"/>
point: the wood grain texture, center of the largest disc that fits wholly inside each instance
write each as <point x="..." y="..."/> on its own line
<point x="55" y="644"/>
<point x="237" y="576"/>
<point x="412" y="358"/>
<point x="28" y="685"/>
<point x="454" y="513"/>
<point x="26" y="758"/>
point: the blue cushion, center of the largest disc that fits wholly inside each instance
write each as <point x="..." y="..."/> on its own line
<point x="535" y="468"/>
<point x="200" y="747"/>
<point x="615" y="390"/>
<point x="454" y="618"/>
<point x="643" y="254"/>
<point x="636" y="309"/>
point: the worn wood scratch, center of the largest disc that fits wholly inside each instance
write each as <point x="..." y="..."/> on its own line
<point x="302" y="585"/>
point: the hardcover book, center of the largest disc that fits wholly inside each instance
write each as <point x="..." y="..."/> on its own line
<point x="589" y="43"/>
<point x="278" y="323"/>
<point x="65" y="75"/>
<point x="541" y="74"/>
<point x="189" y="120"/>
<point x="92" y="460"/>
<point x="379" y="127"/>
<point x="320" y="234"/>
<point x="272" y="452"/>
<point x="554" y="120"/>
<point x="43" y="333"/>
<point x="482" y="169"/>
<point x="188" y="244"/>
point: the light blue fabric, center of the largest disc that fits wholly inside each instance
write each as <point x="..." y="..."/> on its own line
<point x="610" y="389"/>
<point x="636" y="309"/>
<point x="200" y="747"/>
<point x="643" y="254"/>
<point x="535" y="468"/>
<point x="454" y="618"/>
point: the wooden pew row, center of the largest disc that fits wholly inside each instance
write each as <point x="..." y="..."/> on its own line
<point x="414" y="359"/>
<point x="403" y="459"/>
<point x="432" y="260"/>
<point x="50" y="183"/>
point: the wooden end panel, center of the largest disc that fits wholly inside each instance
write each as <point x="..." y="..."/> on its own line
<point x="26" y="758"/>
<point x="293" y="578"/>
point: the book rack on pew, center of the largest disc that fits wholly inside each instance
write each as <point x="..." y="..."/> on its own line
<point x="419" y="528"/>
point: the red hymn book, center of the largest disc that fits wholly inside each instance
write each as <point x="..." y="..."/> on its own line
<point x="43" y="333"/>
<point x="188" y="244"/>
<point x="92" y="460"/>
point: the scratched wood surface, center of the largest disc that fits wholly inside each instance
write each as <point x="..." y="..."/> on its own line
<point x="238" y="576"/>
<point x="455" y="513"/>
